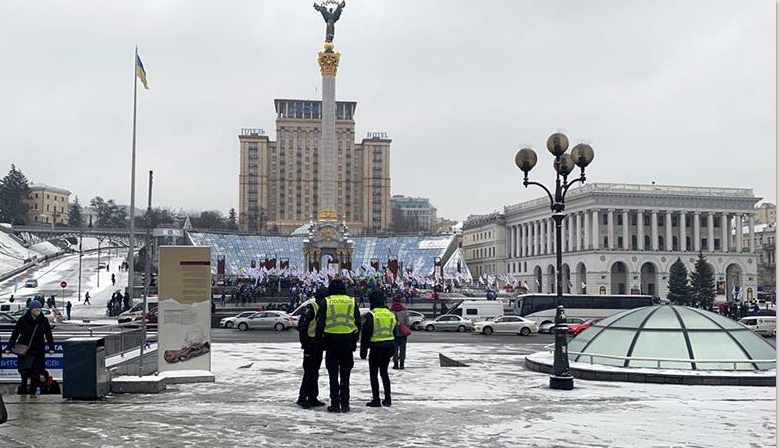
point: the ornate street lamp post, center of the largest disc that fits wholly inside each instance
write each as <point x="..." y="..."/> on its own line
<point x="581" y="155"/>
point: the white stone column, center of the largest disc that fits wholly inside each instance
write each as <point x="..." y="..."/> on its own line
<point x="595" y="229"/>
<point x="539" y="236"/>
<point x="544" y="236"/>
<point x="683" y="231"/>
<point x="625" y="230"/>
<point x="571" y="224"/>
<point x="610" y="229"/>
<point x="655" y="239"/>
<point x="739" y="234"/>
<point x="669" y="236"/>
<point x="327" y="192"/>
<point x="725" y="231"/>
<point x="587" y="237"/>
<point x="710" y="225"/>
<point x="696" y="231"/>
<point x="577" y="242"/>
<point x="752" y="234"/>
<point x="550" y="235"/>
<point x="640" y="229"/>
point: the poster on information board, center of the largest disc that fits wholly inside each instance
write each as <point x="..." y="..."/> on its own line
<point x="184" y="310"/>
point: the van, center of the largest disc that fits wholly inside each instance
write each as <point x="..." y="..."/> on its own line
<point x="12" y="307"/>
<point x="762" y="325"/>
<point x="136" y="311"/>
<point x="477" y="310"/>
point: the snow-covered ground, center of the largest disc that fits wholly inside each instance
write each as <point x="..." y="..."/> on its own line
<point x="495" y="402"/>
<point x="12" y="253"/>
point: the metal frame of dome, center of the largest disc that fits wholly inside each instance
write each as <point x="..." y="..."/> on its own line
<point x="691" y="323"/>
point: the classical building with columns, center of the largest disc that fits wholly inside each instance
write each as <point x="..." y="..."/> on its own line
<point x="484" y="244"/>
<point x="623" y="238"/>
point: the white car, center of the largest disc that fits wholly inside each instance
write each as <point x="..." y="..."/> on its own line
<point x="449" y="322"/>
<point x="416" y="320"/>
<point x="506" y="324"/>
<point x="229" y="322"/>
<point x="276" y="320"/>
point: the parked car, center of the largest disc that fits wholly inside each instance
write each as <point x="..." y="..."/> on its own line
<point x="151" y="319"/>
<point x="31" y="283"/>
<point x="229" y="322"/>
<point x="547" y="327"/>
<point x="416" y="320"/>
<point x="277" y="320"/>
<point x="53" y="317"/>
<point x="7" y="322"/>
<point x="477" y="310"/>
<point x="575" y="329"/>
<point x="12" y="307"/>
<point x="449" y="322"/>
<point x="137" y="310"/>
<point x="506" y="324"/>
<point x="762" y="325"/>
<point x="101" y="265"/>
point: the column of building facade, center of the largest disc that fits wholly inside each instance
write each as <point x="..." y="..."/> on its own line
<point x="545" y="233"/>
<point x="587" y="236"/>
<point x="539" y="238"/>
<point x="577" y="226"/>
<point x="655" y="236"/>
<point x="571" y="226"/>
<point x="640" y="229"/>
<point x="725" y="227"/>
<point x="669" y="236"/>
<point x="595" y="229"/>
<point x="710" y="224"/>
<point x="683" y="231"/>
<point x="625" y="229"/>
<point x="739" y="233"/>
<point x="610" y="229"/>
<point x="752" y="234"/>
<point x="550" y="235"/>
<point x="522" y="240"/>
<point x="696" y="231"/>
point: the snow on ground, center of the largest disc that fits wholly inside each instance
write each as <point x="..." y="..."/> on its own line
<point x="495" y="402"/>
<point x="45" y="248"/>
<point x="12" y="253"/>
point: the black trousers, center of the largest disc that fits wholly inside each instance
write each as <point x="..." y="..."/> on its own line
<point x="312" y="361"/>
<point x="339" y="365"/>
<point x="378" y="362"/>
<point x="399" y="358"/>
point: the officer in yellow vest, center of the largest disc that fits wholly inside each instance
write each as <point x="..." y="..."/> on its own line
<point x="338" y="326"/>
<point x="378" y="333"/>
<point x="312" y="352"/>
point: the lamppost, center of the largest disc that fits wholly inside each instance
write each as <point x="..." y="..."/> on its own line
<point x="581" y="155"/>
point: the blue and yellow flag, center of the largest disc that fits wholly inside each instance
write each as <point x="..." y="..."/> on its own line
<point x="140" y="72"/>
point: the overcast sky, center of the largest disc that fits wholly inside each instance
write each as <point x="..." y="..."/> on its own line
<point x="677" y="92"/>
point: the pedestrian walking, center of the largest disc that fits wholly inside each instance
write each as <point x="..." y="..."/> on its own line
<point x="378" y="335"/>
<point x="68" y="306"/>
<point x="113" y="279"/>
<point x="401" y="337"/>
<point x="86" y="299"/>
<point x="28" y="342"/>
<point x="313" y="348"/>
<point x="337" y="326"/>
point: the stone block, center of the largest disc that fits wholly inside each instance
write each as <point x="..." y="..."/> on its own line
<point x="138" y="385"/>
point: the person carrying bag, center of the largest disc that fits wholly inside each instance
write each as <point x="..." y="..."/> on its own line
<point x="31" y="328"/>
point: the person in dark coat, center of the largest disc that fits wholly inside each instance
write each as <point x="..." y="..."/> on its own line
<point x="31" y="329"/>
<point x="380" y="339"/>
<point x="68" y="307"/>
<point x="312" y="353"/>
<point x="340" y="347"/>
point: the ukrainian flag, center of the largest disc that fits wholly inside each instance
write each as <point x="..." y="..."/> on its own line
<point x="140" y="72"/>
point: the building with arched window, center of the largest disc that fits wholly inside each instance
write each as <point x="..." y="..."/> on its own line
<point x="623" y="238"/>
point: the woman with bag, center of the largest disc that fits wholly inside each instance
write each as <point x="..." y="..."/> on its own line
<point x="28" y="344"/>
<point x="404" y="331"/>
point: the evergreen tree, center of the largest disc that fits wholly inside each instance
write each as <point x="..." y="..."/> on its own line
<point x="14" y="188"/>
<point x="702" y="279"/>
<point x="232" y="221"/>
<point x="76" y="219"/>
<point x="679" y="290"/>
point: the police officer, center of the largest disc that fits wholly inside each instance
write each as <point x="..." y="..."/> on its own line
<point x="337" y="326"/>
<point x="312" y="352"/>
<point x="378" y="334"/>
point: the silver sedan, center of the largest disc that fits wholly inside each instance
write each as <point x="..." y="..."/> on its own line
<point x="449" y="322"/>
<point x="267" y="320"/>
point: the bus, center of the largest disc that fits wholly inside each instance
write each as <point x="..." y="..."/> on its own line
<point x="542" y="308"/>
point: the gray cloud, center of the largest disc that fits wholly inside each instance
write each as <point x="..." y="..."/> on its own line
<point x="675" y="92"/>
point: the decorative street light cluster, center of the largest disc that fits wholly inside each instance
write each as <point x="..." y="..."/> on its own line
<point x="581" y="155"/>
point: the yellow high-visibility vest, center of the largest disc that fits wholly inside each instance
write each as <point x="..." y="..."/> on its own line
<point x="312" y="324"/>
<point x="339" y="317"/>
<point x="383" y="325"/>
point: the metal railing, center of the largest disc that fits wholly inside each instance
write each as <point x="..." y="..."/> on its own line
<point x="735" y="362"/>
<point x="119" y="338"/>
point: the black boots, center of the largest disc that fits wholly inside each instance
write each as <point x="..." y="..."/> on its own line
<point x="387" y="402"/>
<point x="303" y="403"/>
<point x="334" y="408"/>
<point x="315" y="403"/>
<point x="375" y="403"/>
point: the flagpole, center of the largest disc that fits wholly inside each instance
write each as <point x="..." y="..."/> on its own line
<point x="131" y="252"/>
